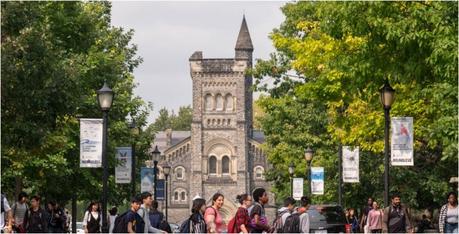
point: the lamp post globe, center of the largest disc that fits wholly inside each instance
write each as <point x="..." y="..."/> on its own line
<point x="105" y="97"/>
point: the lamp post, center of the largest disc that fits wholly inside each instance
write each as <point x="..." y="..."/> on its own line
<point x="308" y="154"/>
<point x="155" y="157"/>
<point x="166" y="170"/>
<point x="135" y="131"/>
<point x="387" y="98"/>
<point x="105" y="100"/>
<point x="291" y="169"/>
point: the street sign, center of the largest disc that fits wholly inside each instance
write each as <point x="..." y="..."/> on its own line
<point x="317" y="180"/>
<point x="298" y="188"/>
<point x="91" y="132"/>
<point x="123" y="169"/>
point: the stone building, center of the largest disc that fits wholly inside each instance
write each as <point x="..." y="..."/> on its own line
<point x="222" y="152"/>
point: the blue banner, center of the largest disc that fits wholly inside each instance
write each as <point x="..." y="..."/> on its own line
<point x="160" y="190"/>
<point x="146" y="179"/>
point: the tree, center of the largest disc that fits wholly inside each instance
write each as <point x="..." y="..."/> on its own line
<point x="180" y="122"/>
<point x="55" y="55"/>
<point x="340" y="54"/>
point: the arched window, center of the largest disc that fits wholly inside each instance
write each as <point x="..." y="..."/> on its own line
<point x="212" y="165"/>
<point x="176" y="196"/>
<point x="219" y="100"/>
<point x="259" y="172"/>
<point x="182" y="196"/>
<point x="229" y="102"/>
<point x="208" y="102"/>
<point x="225" y="165"/>
<point x="179" y="173"/>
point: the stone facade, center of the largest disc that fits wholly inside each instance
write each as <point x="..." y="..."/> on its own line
<point x="222" y="152"/>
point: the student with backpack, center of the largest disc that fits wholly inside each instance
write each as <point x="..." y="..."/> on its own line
<point x="351" y="219"/>
<point x="396" y="218"/>
<point x="240" y="222"/>
<point x="298" y="221"/>
<point x="57" y="218"/>
<point x="258" y="221"/>
<point x="36" y="220"/>
<point x="129" y="220"/>
<point x="144" y="211"/>
<point x="283" y="213"/>
<point x="92" y="221"/>
<point x="20" y="209"/>
<point x="195" y="223"/>
<point x="214" y="219"/>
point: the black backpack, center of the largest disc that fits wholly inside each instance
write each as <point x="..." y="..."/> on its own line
<point x="121" y="224"/>
<point x="292" y="224"/>
<point x="277" y="223"/>
<point x="185" y="226"/>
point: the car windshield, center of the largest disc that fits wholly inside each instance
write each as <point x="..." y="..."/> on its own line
<point x="330" y="214"/>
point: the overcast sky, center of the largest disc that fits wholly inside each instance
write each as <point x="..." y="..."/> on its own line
<point x="167" y="33"/>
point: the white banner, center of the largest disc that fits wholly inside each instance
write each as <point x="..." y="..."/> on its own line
<point x="350" y="164"/>
<point x="123" y="169"/>
<point x="91" y="132"/>
<point x="402" y="141"/>
<point x="298" y="188"/>
<point x="146" y="180"/>
<point x="317" y="180"/>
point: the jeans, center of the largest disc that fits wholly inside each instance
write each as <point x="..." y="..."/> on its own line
<point x="451" y="228"/>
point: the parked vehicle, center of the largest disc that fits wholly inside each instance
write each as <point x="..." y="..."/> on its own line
<point x="327" y="219"/>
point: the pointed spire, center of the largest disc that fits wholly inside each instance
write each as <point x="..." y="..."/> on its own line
<point x="244" y="42"/>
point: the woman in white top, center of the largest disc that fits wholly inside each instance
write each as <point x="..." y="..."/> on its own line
<point x="449" y="216"/>
<point x="92" y="221"/>
<point x="113" y="214"/>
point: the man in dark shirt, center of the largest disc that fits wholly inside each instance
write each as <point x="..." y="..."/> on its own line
<point x="135" y="222"/>
<point x="36" y="220"/>
<point x="396" y="218"/>
<point x="257" y="212"/>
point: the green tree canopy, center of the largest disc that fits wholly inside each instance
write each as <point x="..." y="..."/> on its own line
<point x="331" y="59"/>
<point x="177" y="122"/>
<point x="55" y="55"/>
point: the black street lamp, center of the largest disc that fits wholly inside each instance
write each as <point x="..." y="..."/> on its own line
<point x="105" y="99"/>
<point x="308" y="154"/>
<point x="155" y="155"/>
<point x="387" y="98"/>
<point x="291" y="169"/>
<point x="166" y="170"/>
<point x="135" y="131"/>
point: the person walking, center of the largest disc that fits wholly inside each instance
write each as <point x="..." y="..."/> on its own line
<point x="197" y="223"/>
<point x="242" y="218"/>
<point x="20" y="209"/>
<point x="283" y="213"/>
<point x="396" y="218"/>
<point x="352" y="220"/>
<point x="214" y="219"/>
<point x="92" y="221"/>
<point x="304" y="215"/>
<point x="36" y="221"/>
<point x="57" y="218"/>
<point x="156" y="216"/>
<point x="258" y="220"/>
<point x="364" y="218"/>
<point x="111" y="219"/>
<point x="448" y="218"/>
<point x="135" y="223"/>
<point x="375" y="218"/>
<point x="144" y="211"/>
<point x="6" y="227"/>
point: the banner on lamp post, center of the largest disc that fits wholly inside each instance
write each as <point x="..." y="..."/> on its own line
<point x="298" y="188"/>
<point x="91" y="133"/>
<point x="146" y="180"/>
<point x="402" y="141"/>
<point x="350" y="164"/>
<point x="123" y="170"/>
<point x="317" y="180"/>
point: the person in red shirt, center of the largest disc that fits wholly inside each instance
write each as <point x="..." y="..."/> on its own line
<point x="242" y="217"/>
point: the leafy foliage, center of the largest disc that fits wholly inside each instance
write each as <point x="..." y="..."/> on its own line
<point x="331" y="59"/>
<point x="55" y="55"/>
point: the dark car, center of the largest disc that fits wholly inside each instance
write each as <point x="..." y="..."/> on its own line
<point x="326" y="219"/>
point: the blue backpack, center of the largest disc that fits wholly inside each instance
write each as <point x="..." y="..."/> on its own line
<point x="185" y="226"/>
